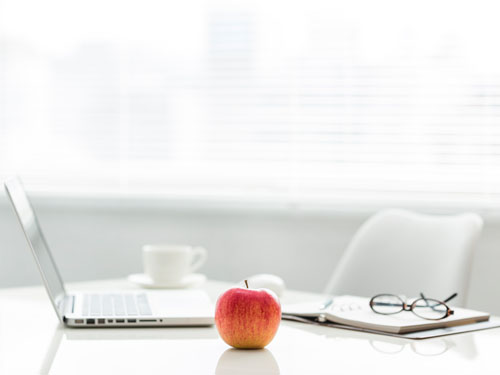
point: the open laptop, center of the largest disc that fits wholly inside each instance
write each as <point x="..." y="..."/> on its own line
<point x="108" y="309"/>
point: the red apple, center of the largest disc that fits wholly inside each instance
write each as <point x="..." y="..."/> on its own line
<point x="247" y="318"/>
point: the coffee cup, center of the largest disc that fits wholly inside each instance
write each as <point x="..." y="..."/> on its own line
<point x="170" y="264"/>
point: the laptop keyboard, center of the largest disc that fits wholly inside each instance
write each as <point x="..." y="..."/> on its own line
<point x="115" y="305"/>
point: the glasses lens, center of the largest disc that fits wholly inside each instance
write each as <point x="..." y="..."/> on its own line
<point x="430" y="348"/>
<point x="429" y="309"/>
<point x="386" y="304"/>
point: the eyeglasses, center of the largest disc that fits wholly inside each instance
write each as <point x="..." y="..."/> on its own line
<point x="425" y="308"/>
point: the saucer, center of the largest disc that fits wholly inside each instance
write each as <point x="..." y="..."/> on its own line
<point x="192" y="280"/>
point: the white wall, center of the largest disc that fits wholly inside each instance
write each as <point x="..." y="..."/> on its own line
<point x="92" y="241"/>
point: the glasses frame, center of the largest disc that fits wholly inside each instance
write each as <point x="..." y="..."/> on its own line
<point x="406" y="307"/>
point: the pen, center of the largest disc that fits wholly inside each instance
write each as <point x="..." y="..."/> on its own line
<point x="326" y="303"/>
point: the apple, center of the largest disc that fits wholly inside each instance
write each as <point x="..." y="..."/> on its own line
<point x="247" y="318"/>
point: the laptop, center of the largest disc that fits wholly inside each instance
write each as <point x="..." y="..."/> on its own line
<point x="111" y="308"/>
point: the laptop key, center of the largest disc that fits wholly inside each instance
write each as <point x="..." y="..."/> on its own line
<point x="143" y="305"/>
<point x="95" y="305"/>
<point x="118" y="305"/>
<point x="107" y="305"/>
<point x="130" y="305"/>
<point x="86" y="305"/>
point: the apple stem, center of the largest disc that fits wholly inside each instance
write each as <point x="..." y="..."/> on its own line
<point x="246" y="283"/>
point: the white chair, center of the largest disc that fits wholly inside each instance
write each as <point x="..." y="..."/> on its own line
<point x="402" y="252"/>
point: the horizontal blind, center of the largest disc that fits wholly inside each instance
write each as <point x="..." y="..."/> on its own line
<point x="302" y="101"/>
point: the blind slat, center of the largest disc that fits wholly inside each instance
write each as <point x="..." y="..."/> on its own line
<point x="212" y="100"/>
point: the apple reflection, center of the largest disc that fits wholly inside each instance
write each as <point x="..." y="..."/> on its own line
<point x="242" y="362"/>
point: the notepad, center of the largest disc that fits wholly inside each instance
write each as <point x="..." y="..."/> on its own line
<point x="356" y="312"/>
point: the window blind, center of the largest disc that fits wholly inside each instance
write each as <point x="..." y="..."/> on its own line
<point x="294" y="102"/>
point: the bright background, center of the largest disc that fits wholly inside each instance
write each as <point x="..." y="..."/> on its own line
<point x="265" y="130"/>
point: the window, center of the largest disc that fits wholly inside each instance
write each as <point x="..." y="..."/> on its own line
<point x="293" y="102"/>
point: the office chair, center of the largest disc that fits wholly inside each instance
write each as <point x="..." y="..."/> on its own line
<point x="402" y="252"/>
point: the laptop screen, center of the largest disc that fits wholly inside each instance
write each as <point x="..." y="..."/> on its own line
<point x="36" y="240"/>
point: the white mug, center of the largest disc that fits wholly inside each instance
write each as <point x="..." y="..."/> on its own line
<point x="167" y="264"/>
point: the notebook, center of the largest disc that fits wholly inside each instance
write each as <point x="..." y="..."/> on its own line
<point x="356" y="312"/>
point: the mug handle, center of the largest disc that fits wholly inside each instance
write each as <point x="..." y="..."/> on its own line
<point x="201" y="254"/>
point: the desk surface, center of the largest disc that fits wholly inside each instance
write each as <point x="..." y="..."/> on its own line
<point x="32" y="342"/>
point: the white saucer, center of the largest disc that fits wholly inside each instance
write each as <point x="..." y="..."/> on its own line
<point x="189" y="281"/>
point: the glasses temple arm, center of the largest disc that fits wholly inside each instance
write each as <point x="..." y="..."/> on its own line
<point x="446" y="300"/>
<point x="450" y="297"/>
<point x="425" y="299"/>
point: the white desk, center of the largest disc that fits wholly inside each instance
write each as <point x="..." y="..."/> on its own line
<point x="32" y="341"/>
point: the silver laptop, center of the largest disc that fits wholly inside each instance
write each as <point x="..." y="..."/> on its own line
<point x="109" y="309"/>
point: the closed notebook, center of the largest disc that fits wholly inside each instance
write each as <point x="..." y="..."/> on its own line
<point x="356" y="312"/>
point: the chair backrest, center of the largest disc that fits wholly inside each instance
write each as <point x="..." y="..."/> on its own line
<point x="402" y="252"/>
